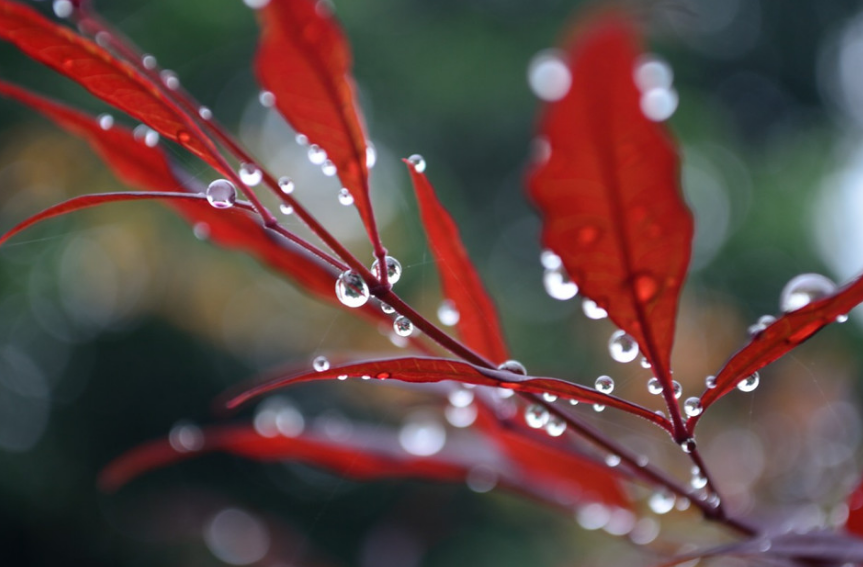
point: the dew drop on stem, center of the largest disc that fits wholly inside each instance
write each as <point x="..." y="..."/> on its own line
<point x="622" y="347"/>
<point x="654" y="386"/>
<point x="661" y="502"/>
<point x="286" y="184"/>
<point x="644" y="362"/>
<point x="549" y="397"/>
<point x="387" y="308"/>
<point x="403" y="326"/>
<point x="592" y="310"/>
<point x="692" y="407"/>
<point x="394" y="269"/>
<point x="513" y="366"/>
<point x="677" y="389"/>
<point x="221" y="194"/>
<point x="250" y="174"/>
<point x="328" y="168"/>
<point x="604" y="384"/>
<point x="749" y="383"/>
<point x="710" y="382"/>
<point x="286" y="209"/>
<point x="612" y="460"/>
<point x="351" y="289"/>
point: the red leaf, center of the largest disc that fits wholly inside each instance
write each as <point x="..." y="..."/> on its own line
<point x="779" y="338"/>
<point x="854" y="524"/>
<point x="305" y="61"/>
<point x="431" y="370"/>
<point x="609" y="193"/>
<point x="478" y="322"/>
<point x="106" y="77"/>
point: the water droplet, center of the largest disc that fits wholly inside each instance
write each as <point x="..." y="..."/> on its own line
<point x="644" y="362"/>
<point x="387" y="308"/>
<point x="677" y="389"/>
<point x="536" y="416"/>
<point x="345" y="197"/>
<point x="659" y="104"/>
<point x="351" y="289"/>
<point x="403" y="326"/>
<point x="394" y="269"/>
<point x="651" y="72"/>
<point x="286" y="209"/>
<point x="698" y="480"/>
<point x="804" y="289"/>
<point x="481" y="479"/>
<point x="749" y="383"/>
<point x="422" y="435"/>
<point x="201" y="230"/>
<point x="710" y="382"/>
<point x="418" y="163"/>
<point x="222" y="194"/>
<point x="548" y="76"/>
<point x="688" y="446"/>
<point x="328" y="168"/>
<point x="301" y="139"/>
<point x="604" y="384"/>
<point x="63" y="8"/>
<point x="371" y="155"/>
<point x="343" y="377"/>
<point x="256" y="4"/>
<point x="692" y="407"/>
<point x="555" y="426"/>
<point x="170" y="79"/>
<point x="461" y="416"/>
<point x="654" y="386"/>
<point x="460" y="397"/>
<point x="592" y="310"/>
<point x="447" y="313"/>
<point x="763" y="322"/>
<point x="593" y="516"/>
<point x="278" y="416"/>
<point x="186" y="437"/>
<point x="558" y="285"/>
<point x="612" y="460"/>
<point x="365" y="377"/>
<point x="286" y="184"/>
<point x="267" y="99"/>
<point x="144" y="133"/>
<point x="573" y="402"/>
<point x="598" y="408"/>
<point x="622" y="347"/>
<point x="550" y="260"/>
<point x="513" y="366"/>
<point x="321" y="364"/>
<point x="250" y="174"/>
<point x="205" y="113"/>
<point x="549" y="397"/>
<point x="317" y="155"/>
<point x="713" y="501"/>
<point x="661" y="502"/>
<point x="106" y="121"/>
<point x="842" y="318"/>
<point x="149" y="62"/>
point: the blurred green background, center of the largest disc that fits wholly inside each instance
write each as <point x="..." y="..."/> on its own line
<point x="117" y="323"/>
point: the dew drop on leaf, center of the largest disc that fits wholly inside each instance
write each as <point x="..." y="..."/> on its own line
<point x="267" y="99"/>
<point x="536" y="416"/>
<point x="205" y="113"/>
<point x="549" y="397"/>
<point x="301" y="140"/>
<point x="659" y="104"/>
<point x="387" y="308"/>
<point x="321" y="364"/>
<point x="317" y="155"/>
<point x="418" y="163"/>
<point x="612" y="460"/>
<point x="677" y="389"/>
<point x="371" y="155"/>
<point x="842" y="318"/>
<point x="710" y="382"/>
<point x="804" y="289"/>
<point x="403" y="326"/>
<point x="222" y="194"/>
<point x="513" y="366"/>
<point x="250" y="174"/>
<point x="149" y="62"/>
<point x="328" y="168"/>
<point x="692" y="407"/>
<point x="592" y="310"/>
<point x="422" y="434"/>
<point x="645" y="287"/>
<point x="598" y="408"/>
<point x="558" y="285"/>
<point x="698" y="480"/>
<point x="394" y="269"/>
<point x="644" y="362"/>
<point x="548" y="76"/>
<point x="345" y="197"/>
<point x="447" y="313"/>
<point x="654" y="386"/>
<point x="651" y="72"/>
<point x="170" y="79"/>
<point x="106" y="121"/>
<point x="763" y="322"/>
<point x="342" y="377"/>
<point x="351" y="289"/>
<point x="604" y="384"/>
<point x="550" y="260"/>
<point x="622" y="347"/>
<point x="749" y="383"/>
<point x="286" y="209"/>
<point x="555" y="426"/>
<point x="63" y="8"/>
<point x="661" y="502"/>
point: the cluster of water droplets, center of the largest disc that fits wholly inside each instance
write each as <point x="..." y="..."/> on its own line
<point x="654" y="79"/>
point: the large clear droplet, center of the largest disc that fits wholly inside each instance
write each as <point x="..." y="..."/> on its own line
<point x="536" y="416"/>
<point x="250" y="174"/>
<point x="804" y="289"/>
<point x="622" y="347"/>
<point x="749" y="383"/>
<point x="555" y="426"/>
<point x="447" y="313"/>
<point x="604" y="384"/>
<point x="513" y="366"/>
<point x="403" y="326"/>
<point x="328" y="168"/>
<point x="558" y="285"/>
<point x="317" y="155"/>
<point x="394" y="269"/>
<point x="661" y="502"/>
<point x="418" y="163"/>
<point x="106" y="121"/>
<point x="286" y="184"/>
<point x="592" y="310"/>
<point x="321" y="364"/>
<point x="654" y="386"/>
<point x="692" y="407"/>
<point x="351" y="289"/>
<point x="345" y="197"/>
<point x="267" y="99"/>
<point x="63" y="8"/>
<point x="222" y="194"/>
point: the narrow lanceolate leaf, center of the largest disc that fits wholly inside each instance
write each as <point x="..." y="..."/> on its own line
<point x="98" y="71"/>
<point x="431" y="370"/>
<point x="304" y="59"/>
<point x="609" y="192"/>
<point x="781" y="337"/>
<point x="478" y="322"/>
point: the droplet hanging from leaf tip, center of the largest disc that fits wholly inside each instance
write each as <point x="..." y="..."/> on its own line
<point x="418" y="163"/>
<point x="345" y="197"/>
<point x="221" y="194"/>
